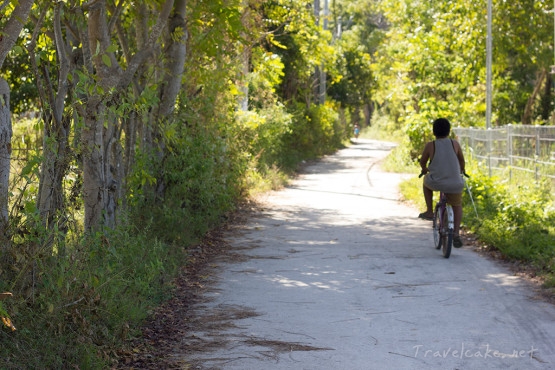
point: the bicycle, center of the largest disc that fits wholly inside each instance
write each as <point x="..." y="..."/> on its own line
<point x="443" y="224"/>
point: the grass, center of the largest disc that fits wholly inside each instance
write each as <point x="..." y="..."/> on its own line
<point x="382" y="129"/>
<point x="259" y="183"/>
<point x="399" y="161"/>
<point x="89" y="302"/>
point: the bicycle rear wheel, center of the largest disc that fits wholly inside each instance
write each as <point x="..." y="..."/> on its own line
<point x="435" y="225"/>
<point x="446" y="236"/>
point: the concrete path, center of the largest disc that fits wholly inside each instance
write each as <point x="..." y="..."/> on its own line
<point x="337" y="274"/>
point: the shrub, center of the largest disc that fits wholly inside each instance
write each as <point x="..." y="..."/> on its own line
<point x="314" y="132"/>
<point x="202" y="180"/>
<point x="81" y="306"/>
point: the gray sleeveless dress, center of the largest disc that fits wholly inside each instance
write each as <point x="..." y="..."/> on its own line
<point x="445" y="171"/>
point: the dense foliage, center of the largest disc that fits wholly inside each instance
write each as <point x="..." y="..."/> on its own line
<point x="432" y="63"/>
<point x="516" y="220"/>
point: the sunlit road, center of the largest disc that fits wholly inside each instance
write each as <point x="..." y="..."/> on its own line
<point x="335" y="273"/>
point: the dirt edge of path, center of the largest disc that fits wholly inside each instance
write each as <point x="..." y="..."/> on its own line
<point x="164" y="330"/>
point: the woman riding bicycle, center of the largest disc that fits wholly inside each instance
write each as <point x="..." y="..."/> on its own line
<point x="443" y="163"/>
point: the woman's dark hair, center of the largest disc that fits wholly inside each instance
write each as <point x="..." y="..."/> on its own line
<point x="442" y="127"/>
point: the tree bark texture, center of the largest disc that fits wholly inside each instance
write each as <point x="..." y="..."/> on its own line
<point x="56" y="150"/>
<point x="176" y="54"/>
<point x="5" y="156"/>
<point x="100" y="137"/>
<point x="171" y="77"/>
<point x="13" y="27"/>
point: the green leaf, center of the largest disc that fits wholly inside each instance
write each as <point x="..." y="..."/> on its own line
<point x="106" y="59"/>
<point x="17" y="50"/>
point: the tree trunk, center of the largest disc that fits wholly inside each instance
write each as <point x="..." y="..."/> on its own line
<point x="175" y="57"/>
<point x="50" y="198"/>
<point x="5" y="157"/>
<point x="13" y="27"/>
<point x="243" y="84"/>
<point x="9" y="35"/>
<point x="94" y="189"/>
<point x="368" y="110"/>
<point x="547" y="99"/>
<point x="100" y="184"/>
<point x="529" y="109"/>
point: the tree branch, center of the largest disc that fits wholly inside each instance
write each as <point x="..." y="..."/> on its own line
<point x="13" y="27"/>
<point x="141" y="55"/>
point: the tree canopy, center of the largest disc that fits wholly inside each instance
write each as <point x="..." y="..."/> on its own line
<point x="432" y="63"/>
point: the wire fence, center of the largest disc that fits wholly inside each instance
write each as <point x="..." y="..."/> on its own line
<point x="512" y="148"/>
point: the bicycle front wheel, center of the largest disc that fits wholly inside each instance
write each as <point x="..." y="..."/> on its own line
<point x="446" y="236"/>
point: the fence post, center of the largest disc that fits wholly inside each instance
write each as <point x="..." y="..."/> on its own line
<point x="488" y="146"/>
<point x="471" y="143"/>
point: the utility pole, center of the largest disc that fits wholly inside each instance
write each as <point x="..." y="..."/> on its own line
<point x="552" y="72"/>
<point x="488" y="68"/>
<point x="488" y="84"/>
<point x="322" y="90"/>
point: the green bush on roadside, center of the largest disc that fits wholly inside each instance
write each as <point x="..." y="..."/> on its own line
<point x="315" y="131"/>
<point x="515" y="219"/>
<point x="84" y="305"/>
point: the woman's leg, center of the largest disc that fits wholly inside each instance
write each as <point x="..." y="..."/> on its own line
<point x="457" y="214"/>
<point x="428" y="197"/>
